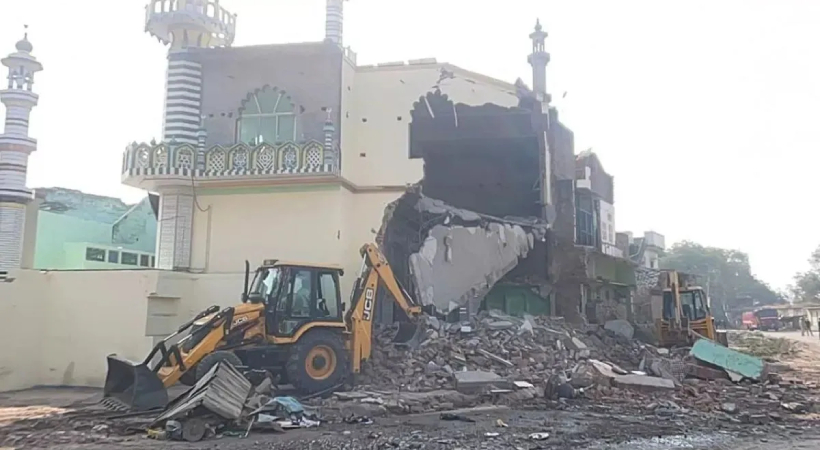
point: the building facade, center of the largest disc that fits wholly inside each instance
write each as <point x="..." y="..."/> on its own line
<point x="284" y="150"/>
<point x="76" y="231"/>
<point x="15" y="148"/>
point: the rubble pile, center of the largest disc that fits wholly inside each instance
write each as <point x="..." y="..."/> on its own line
<point x="762" y="346"/>
<point x="512" y="349"/>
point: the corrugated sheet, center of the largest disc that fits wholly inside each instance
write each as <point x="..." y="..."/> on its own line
<point x="222" y="391"/>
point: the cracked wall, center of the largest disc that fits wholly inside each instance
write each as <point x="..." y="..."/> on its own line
<point x="451" y="257"/>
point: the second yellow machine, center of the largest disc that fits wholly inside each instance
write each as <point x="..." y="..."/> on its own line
<point x="292" y="323"/>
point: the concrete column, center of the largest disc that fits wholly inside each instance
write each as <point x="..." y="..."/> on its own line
<point x="174" y="229"/>
<point x="12" y="226"/>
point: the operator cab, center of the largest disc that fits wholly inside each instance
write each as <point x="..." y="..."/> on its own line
<point x="693" y="302"/>
<point x="295" y="294"/>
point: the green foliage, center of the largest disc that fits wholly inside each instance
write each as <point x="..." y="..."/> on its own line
<point x="806" y="286"/>
<point x="727" y="273"/>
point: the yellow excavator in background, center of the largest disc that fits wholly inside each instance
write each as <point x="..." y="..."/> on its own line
<point x="685" y="312"/>
<point x="292" y="323"/>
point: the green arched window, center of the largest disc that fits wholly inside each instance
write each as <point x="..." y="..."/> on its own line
<point x="268" y="116"/>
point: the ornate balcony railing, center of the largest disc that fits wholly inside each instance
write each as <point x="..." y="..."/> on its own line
<point x="158" y="160"/>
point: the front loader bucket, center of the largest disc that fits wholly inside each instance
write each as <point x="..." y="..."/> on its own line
<point x="133" y="387"/>
<point x="409" y="334"/>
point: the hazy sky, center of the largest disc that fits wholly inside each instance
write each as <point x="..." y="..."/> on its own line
<point x="706" y="112"/>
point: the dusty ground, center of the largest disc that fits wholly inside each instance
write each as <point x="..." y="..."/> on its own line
<point x="577" y="424"/>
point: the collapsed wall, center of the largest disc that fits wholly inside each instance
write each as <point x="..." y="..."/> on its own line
<point x="450" y="257"/>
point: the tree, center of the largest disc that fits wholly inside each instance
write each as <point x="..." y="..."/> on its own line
<point x="806" y="287"/>
<point x="727" y="273"/>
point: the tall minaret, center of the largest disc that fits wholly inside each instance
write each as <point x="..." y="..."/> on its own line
<point x="183" y="25"/>
<point x="538" y="59"/>
<point x="15" y="147"/>
<point x="334" y="21"/>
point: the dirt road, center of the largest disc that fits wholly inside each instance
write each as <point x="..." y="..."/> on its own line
<point x="795" y="335"/>
<point x="585" y="423"/>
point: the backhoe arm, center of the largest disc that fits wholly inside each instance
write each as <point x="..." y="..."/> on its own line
<point x="376" y="270"/>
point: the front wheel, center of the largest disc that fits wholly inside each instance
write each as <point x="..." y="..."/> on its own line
<point x="318" y="362"/>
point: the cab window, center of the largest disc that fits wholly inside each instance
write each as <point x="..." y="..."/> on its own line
<point x="327" y="305"/>
<point x="301" y="290"/>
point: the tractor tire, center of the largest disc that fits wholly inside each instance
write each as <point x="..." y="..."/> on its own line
<point x="317" y="362"/>
<point x="209" y="361"/>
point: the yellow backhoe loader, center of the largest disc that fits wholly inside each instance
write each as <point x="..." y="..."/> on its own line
<point x="292" y="323"/>
<point x="685" y="312"/>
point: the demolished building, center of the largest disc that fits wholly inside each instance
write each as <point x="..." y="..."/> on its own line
<point x="449" y="257"/>
<point x="513" y="167"/>
<point x="483" y="209"/>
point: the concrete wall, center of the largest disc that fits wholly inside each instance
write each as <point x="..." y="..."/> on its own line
<point x="309" y="73"/>
<point x="376" y="105"/>
<point x="301" y="223"/>
<point x="457" y="266"/>
<point x="58" y="327"/>
<point x="315" y="223"/>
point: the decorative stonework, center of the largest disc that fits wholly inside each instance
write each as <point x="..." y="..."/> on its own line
<point x="240" y="160"/>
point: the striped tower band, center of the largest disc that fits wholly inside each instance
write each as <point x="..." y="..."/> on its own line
<point x="17" y="119"/>
<point x="12" y="224"/>
<point x="16" y="145"/>
<point x="183" y="100"/>
<point x="334" y="17"/>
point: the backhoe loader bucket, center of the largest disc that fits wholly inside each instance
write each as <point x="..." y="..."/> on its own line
<point x="409" y="334"/>
<point x="133" y="387"/>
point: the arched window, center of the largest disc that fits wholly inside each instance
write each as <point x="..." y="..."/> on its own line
<point x="267" y="116"/>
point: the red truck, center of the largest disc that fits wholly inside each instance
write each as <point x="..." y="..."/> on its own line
<point x="765" y="319"/>
<point x="768" y="319"/>
<point x="749" y="320"/>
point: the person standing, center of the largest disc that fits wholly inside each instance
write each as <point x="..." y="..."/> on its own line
<point x="808" y="327"/>
<point x="802" y="321"/>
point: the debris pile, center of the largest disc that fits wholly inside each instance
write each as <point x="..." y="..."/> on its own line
<point x="762" y="346"/>
<point x="223" y="402"/>
<point x="496" y="350"/>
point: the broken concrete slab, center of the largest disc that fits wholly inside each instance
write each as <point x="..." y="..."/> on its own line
<point x="603" y="371"/>
<point x="729" y="360"/>
<point x="470" y="381"/>
<point x="495" y="358"/>
<point x="461" y="254"/>
<point x="705" y="373"/>
<point x="575" y="344"/>
<point x="621" y="328"/>
<point x="643" y="382"/>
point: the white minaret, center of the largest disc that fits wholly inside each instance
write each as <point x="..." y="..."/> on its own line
<point x="334" y="21"/>
<point x="538" y="59"/>
<point x="184" y="26"/>
<point x="15" y="147"/>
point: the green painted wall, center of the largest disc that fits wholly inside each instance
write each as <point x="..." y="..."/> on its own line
<point x="69" y="222"/>
<point x="54" y="230"/>
<point x="517" y="300"/>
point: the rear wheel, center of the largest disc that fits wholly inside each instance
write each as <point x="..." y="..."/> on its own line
<point x="317" y="362"/>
